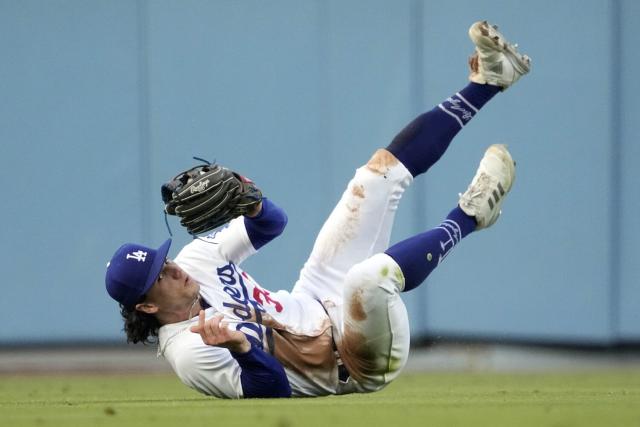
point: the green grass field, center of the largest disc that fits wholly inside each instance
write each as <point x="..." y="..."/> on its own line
<point x="431" y="399"/>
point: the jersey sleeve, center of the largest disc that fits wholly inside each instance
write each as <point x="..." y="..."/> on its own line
<point x="216" y="371"/>
<point x="267" y="225"/>
<point x="262" y="374"/>
<point x="207" y="369"/>
<point x="228" y="244"/>
<point x="240" y="239"/>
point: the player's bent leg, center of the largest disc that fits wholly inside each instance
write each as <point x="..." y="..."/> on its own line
<point x="419" y="255"/>
<point x="374" y="340"/>
<point x="359" y="226"/>
<point x="479" y="207"/>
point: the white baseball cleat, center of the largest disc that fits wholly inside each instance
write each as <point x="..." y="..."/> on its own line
<point x="489" y="186"/>
<point x="499" y="62"/>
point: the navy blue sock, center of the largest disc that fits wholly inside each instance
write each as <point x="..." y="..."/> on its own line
<point x="417" y="256"/>
<point x="419" y="145"/>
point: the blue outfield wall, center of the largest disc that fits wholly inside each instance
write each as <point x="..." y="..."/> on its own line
<point x="104" y="100"/>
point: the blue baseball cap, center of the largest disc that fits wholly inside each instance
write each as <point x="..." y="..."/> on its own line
<point x="133" y="270"/>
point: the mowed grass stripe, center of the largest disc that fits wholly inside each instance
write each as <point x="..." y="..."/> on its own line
<point x="451" y="399"/>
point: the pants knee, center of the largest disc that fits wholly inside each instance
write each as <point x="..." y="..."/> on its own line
<point x="375" y="339"/>
<point x="379" y="273"/>
<point x="381" y="161"/>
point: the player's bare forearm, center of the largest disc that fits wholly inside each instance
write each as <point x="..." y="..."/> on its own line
<point x="215" y="332"/>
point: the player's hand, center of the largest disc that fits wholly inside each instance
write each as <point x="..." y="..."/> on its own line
<point x="215" y="332"/>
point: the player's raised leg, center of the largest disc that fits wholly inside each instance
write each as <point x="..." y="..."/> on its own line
<point x="374" y="340"/>
<point x="495" y="66"/>
<point x="360" y="225"/>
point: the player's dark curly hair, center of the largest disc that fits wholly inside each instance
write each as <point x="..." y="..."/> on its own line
<point x="139" y="326"/>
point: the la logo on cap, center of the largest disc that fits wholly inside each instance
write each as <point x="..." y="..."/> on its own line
<point x="138" y="255"/>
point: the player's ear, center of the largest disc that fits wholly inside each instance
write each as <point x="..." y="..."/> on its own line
<point x="147" y="307"/>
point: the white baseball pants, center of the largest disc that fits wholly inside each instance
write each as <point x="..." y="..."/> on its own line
<point x="357" y="283"/>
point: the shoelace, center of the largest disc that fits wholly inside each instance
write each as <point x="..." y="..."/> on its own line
<point x="475" y="193"/>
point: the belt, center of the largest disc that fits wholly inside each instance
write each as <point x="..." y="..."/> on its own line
<point x="343" y="373"/>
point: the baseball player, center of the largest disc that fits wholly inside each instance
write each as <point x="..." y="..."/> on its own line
<point x="343" y="328"/>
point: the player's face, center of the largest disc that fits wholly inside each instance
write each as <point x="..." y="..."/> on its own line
<point x="173" y="290"/>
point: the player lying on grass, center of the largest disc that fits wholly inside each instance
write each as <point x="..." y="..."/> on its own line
<point x="343" y="328"/>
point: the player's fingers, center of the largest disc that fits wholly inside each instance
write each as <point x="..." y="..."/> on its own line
<point x="207" y="330"/>
<point x="217" y="320"/>
<point x="225" y="331"/>
<point x="201" y="319"/>
<point x="212" y="328"/>
<point x="200" y="326"/>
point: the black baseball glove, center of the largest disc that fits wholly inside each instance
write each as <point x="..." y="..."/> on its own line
<point x="207" y="196"/>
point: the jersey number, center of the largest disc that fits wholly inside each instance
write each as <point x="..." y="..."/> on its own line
<point x="259" y="294"/>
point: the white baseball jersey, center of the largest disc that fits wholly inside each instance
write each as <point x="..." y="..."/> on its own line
<point x="282" y="324"/>
<point x="295" y="327"/>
